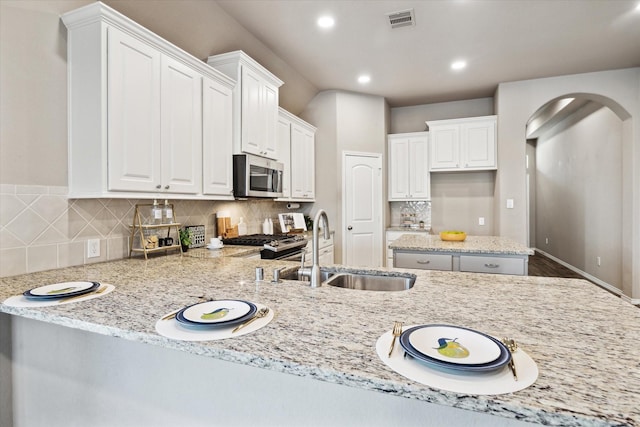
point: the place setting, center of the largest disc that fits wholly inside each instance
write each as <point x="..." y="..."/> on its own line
<point x="59" y="294"/>
<point x="457" y="359"/>
<point x="214" y="320"/>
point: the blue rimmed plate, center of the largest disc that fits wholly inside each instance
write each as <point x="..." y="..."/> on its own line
<point x="61" y="290"/>
<point x="446" y="346"/>
<point x="217" y="313"/>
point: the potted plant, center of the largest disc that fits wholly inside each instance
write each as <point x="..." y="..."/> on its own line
<point x="185" y="239"/>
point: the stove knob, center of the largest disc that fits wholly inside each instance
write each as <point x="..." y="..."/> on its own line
<point x="274" y="243"/>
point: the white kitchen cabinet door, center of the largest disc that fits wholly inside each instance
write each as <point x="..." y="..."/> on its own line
<point x="398" y="168"/>
<point x="181" y="131"/>
<point x="302" y="163"/>
<point x="284" y="150"/>
<point x="134" y="70"/>
<point x="259" y="115"/>
<point x="269" y="106"/>
<point x="252" y="120"/>
<point x="479" y="144"/>
<point x="463" y="144"/>
<point x="445" y="146"/>
<point x="419" y="180"/>
<point x="409" y="167"/>
<point x="217" y="138"/>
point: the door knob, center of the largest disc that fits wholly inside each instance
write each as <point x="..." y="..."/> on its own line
<point x="349" y="228"/>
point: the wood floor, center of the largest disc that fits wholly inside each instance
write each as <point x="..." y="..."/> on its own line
<point x="540" y="265"/>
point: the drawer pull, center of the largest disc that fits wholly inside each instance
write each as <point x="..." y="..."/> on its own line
<point x="492" y="265"/>
<point x="423" y="262"/>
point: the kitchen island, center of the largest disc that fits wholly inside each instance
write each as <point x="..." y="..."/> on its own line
<point x="481" y="254"/>
<point x="315" y="363"/>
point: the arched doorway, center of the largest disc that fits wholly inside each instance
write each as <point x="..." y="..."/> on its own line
<point x="574" y="177"/>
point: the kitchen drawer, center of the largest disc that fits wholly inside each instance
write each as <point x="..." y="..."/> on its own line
<point x="492" y="264"/>
<point x="423" y="261"/>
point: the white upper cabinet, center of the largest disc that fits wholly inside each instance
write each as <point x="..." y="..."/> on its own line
<point x="181" y="128"/>
<point x="136" y="111"/>
<point x="255" y="103"/>
<point x="133" y="118"/>
<point x="463" y="144"/>
<point x="217" y="155"/>
<point x="409" y="166"/>
<point x="296" y="145"/>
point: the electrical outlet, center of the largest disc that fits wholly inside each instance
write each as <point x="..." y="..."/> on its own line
<point x="481" y="220"/>
<point x="93" y="248"/>
<point x="509" y="203"/>
<point x="546" y="240"/>
<point x="598" y="260"/>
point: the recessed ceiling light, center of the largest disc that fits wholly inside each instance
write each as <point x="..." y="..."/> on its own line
<point x="326" y="22"/>
<point x="364" y="79"/>
<point x="458" y="65"/>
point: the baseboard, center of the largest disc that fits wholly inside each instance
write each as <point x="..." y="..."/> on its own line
<point x="591" y="278"/>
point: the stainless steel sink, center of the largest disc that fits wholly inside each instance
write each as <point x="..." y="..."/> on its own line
<point x="361" y="281"/>
<point x="371" y="282"/>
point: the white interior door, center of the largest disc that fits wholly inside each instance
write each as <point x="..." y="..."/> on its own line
<point x="362" y="209"/>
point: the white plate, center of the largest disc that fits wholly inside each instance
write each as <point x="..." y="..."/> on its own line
<point x="454" y="345"/>
<point x="223" y="311"/>
<point x="61" y="289"/>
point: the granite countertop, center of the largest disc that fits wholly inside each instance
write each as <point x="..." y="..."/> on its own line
<point x="472" y="244"/>
<point x="408" y="229"/>
<point x="583" y="338"/>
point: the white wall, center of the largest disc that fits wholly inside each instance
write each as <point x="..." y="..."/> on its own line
<point x="515" y="104"/>
<point x="579" y="195"/>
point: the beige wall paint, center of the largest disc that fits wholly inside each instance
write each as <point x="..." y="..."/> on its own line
<point x="579" y="195"/>
<point x="515" y="104"/>
<point x="412" y="119"/>
<point x="351" y="122"/>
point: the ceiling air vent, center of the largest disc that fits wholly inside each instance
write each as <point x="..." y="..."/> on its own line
<point x="403" y="18"/>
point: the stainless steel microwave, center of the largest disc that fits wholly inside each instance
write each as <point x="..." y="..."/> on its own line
<point x="255" y="176"/>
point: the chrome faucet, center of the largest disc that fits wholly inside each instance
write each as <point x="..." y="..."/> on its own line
<point x="313" y="273"/>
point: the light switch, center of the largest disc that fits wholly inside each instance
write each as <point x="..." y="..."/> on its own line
<point x="509" y="203"/>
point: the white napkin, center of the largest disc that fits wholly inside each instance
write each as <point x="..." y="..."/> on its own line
<point x="173" y="329"/>
<point x="22" y="301"/>
<point x="500" y="381"/>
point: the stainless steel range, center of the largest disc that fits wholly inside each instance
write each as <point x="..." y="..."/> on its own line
<point x="275" y="246"/>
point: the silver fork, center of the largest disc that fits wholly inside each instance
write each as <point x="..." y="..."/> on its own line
<point x="397" y="331"/>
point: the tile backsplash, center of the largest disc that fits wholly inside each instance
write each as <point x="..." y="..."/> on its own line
<point x="42" y="229"/>
<point x="421" y="209"/>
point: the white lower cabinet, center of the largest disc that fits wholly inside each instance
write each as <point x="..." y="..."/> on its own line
<point x="390" y="237"/>
<point x="325" y="251"/>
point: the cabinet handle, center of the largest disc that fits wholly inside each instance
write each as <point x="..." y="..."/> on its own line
<point x="423" y="262"/>
<point x="166" y="187"/>
<point x="492" y="265"/>
<point x="158" y="186"/>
